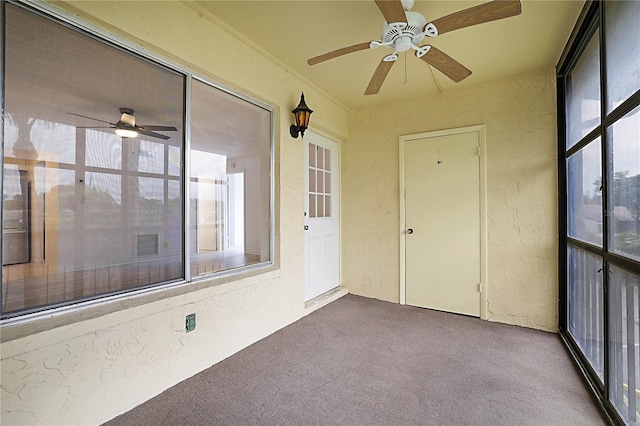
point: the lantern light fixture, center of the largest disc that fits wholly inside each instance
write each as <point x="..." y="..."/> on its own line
<point x="302" y="113"/>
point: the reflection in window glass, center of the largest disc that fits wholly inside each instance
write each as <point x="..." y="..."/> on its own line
<point x="101" y="241"/>
<point x="48" y="138"/>
<point x="623" y="51"/>
<point x="175" y="157"/>
<point x="583" y="94"/>
<point x="585" y="315"/>
<point x="102" y="194"/>
<point x="624" y="211"/>
<point x="584" y="191"/>
<point x="96" y="200"/>
<point x="16" y="216"/>
<point x="624" y="344"/>
<point x="103" y="150"/>
<point x="150" y="203"/>
<point x="151" y="158"/>
<point x="230" y="215"/>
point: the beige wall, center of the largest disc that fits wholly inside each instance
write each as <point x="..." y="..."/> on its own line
<point x="106" y="359"/>
<point x="519" y="114"/>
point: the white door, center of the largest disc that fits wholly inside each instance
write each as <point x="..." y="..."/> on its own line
<point x="442" y="223"/>
<point x="321" y="222"/>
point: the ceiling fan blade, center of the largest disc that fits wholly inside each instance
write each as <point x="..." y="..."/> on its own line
<point x="161" y="128"/>
<point x="446" y="64"/>
<point x="378" y="77"/>
<point x="392" y="11"/>
<point x="91" y="118"/>
<point x="486" y="12"/>
<point x="339" y="52"/>
<point x="94" y="127"/>
<point x="152" y="134"/>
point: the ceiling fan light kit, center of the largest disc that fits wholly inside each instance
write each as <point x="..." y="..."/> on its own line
<point x="126" y="133"/>
<point x="125" y="127"/>
<point x="404" y="30"/>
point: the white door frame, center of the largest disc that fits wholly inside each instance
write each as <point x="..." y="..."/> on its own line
<point x="481" y="131"/>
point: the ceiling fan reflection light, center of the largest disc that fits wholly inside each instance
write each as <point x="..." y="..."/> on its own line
<point x="126" y="133"/>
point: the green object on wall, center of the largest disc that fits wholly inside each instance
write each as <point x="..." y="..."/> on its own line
<point x="191" y="322"/>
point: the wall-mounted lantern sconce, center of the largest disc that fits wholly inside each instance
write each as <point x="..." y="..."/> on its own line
<point x="302" y="113"/>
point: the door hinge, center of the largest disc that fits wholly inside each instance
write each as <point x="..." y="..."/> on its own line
<point x="479" y="152"/>
<point x="479" y="288"/>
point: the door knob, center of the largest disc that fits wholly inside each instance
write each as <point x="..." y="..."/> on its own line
<point x="410" y="231"/>
<point x="306" y="227"/>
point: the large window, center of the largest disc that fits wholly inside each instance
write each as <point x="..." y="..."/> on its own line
<point x="88" y="211"/>
<point x="229" y="181"/>
<point x="599" y="151"/>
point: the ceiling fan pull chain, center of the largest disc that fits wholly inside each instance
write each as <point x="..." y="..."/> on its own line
<point x="405" y="68"/>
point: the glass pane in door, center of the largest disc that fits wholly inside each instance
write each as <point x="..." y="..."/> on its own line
<point x="584" y="193"/>
<point x="623" y="51"/>
<point x="319" y="170"/>
<point x="586" y="307"/>
<point x="583" y="94"/>
<point x="624" y="215"/>
<point x="624" y="339"/>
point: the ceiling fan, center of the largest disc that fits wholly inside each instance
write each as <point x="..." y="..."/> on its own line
<point x="404" y="29"/>
<point x="127" y="127"/>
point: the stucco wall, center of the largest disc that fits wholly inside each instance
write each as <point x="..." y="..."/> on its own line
<point x="519" y="114"/>
<point x="104" y="360"/>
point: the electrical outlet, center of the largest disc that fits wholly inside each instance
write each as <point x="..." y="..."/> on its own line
<point x="191" y="322"/>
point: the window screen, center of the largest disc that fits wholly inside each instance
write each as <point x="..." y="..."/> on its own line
<point x="87" y="212"/>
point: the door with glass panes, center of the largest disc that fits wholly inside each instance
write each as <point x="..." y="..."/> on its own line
<point x="321" y="221"/>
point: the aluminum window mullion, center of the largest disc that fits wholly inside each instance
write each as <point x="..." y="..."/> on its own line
<point x="2" y="109"/>
<point x="586" y="140"/>
<point x="186" y="179"/>
<point x="623" y="109"/>
<point x="607" y="180"/>
<point x="592" y="248"/>
<point x="623" y="262"/>
<point x="562" y="206"/>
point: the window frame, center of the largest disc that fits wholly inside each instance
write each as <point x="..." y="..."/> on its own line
<point x="592" y="18"/>
<point x="12" y="323"/>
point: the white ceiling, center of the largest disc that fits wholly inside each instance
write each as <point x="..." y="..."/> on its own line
<point x="293" y="31"/>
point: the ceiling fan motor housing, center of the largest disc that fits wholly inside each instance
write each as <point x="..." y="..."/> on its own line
<point x="401" y="40"/>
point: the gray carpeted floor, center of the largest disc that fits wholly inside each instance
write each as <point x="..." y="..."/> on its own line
<point x="360" y="361"/>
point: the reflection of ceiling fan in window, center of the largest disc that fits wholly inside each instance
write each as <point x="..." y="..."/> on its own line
<point x="127" y="127"/>
<point x="404" y="30"/>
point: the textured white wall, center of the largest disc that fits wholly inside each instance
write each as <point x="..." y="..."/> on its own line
<point x="108" y="359"/>
<point x="519" y="114"/>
